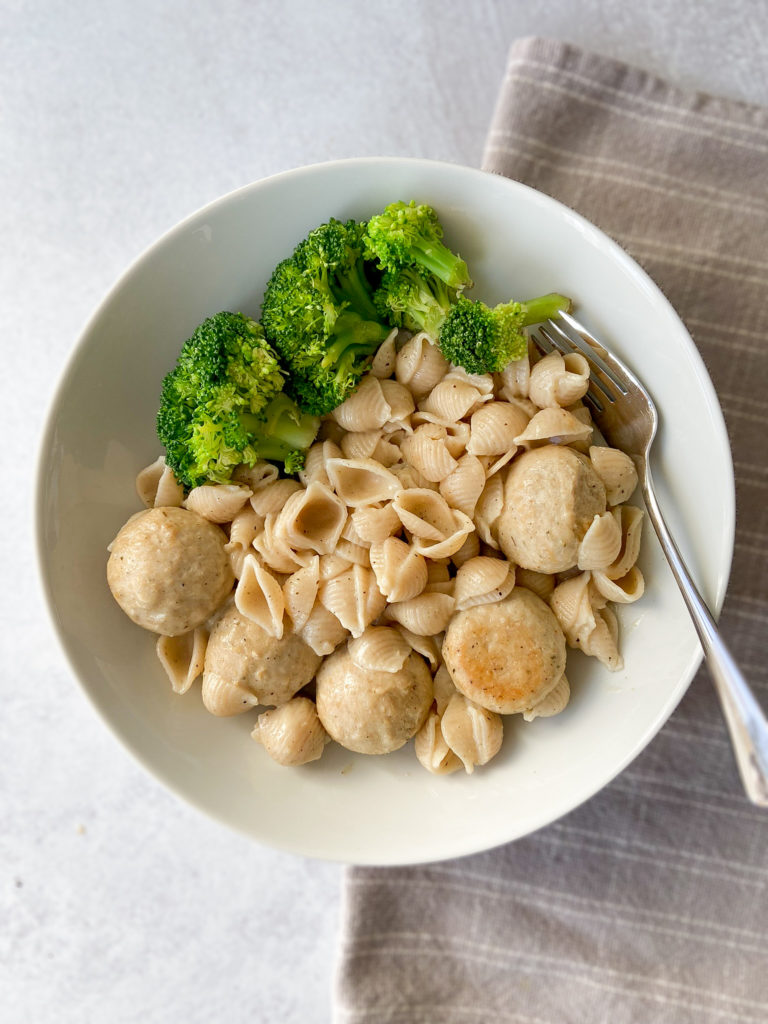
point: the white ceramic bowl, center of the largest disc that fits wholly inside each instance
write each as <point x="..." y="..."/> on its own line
<point x="375" y="810"/>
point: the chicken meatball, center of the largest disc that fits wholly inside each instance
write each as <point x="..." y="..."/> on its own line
<point x="551" y="496"/>
<point x="246" y="666"/>
<point x="508" y="655"/>
<point x="371" y="711"/>
<point x="168" y="570"/>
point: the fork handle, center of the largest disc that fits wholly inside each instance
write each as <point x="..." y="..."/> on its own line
<point x="746" y="721"/>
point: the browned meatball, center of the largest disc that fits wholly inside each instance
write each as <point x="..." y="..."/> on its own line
<point x="508" y="655"/>
<point x="551" y="496"/>
<point x="168" y="570"/>
<point x="371" y="711"/>
<point x="245" y="666"/>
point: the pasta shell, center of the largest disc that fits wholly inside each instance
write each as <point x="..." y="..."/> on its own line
<point x="494" y="427"/>
<point x="582" y="414"/>
<point x="444" y="689"/>
<point x="446" y="547"/>
<point x="245" y="527"/>
<point x="431" y="749"/>
<point x="275" y="551"/>
<point x="183" y="657"/>
<point x="631" y="521"/>
<point x="469" y="549"/>
<point x="374" y="524"/>
<point x="401" y="572"/>
<point x="218" y="503"/>
<point x="399" y="399"/>
<point x="426" y="451"/>
<point x="353" y="598"/>
<point x="488" y="510"/>
<point x="513" y="381"/>
<point x="558" y="380"/>
<point x="315" y="461"/>
<point x="482" y="580"/>
<point x="571" y="602"/>
<point x="473" y="733"/>
<point x="362" y="481"/>
<point x="425" y="514"/>
<point x="624" y="590"/>
<point x="554" y="426"/>
<point x="313" y="518"/>
<point x="420" y="365"/>
<point x="483" y="382"/>
<point x="236" y="556"/>
<point x="379" y="648"/>
<point x="147" y="480"/>
<point x="424" y="615"/>
<point x="259" y="597"/>
<point x="601" y="544"/>
<point x="383" y="364"/>
<point x="224" y="698"/>
<point x="322" y="631"/>
<point x="541" y="583"/>
<point x="451" y="399"/>
<point x="386" y="452"/>
<point x="365" y="409"/>
<point x="300" y="591"/>
<point x="524" y="404"/>
<point x="554" y="702"/>
<point x="158" y="487"/>
<point x="429" y="647"/>
<point x="601" y="642"/>
<point x="292" y="734"/>
<point x="272" y="496"/>
<point x="410" y="477"/>
<point x="456" y="436"/>
<point x="616" y="470"/>
<point x="332" y="565"/>
<point x="360" y="444"/>
<point x="357" y="554"/>
<point x="350" y="533"/>
<point x="256" y="476"/>
<point x="493" y="463"/>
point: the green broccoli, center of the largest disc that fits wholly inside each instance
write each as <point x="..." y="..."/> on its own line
<point x="416" y="300"/>
<point x="483" y="339"/>
<point x="407" y="235"/>
<point x="319" y="314"/>
<point x="223" y="405"/>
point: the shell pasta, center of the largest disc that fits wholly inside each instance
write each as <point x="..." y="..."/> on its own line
<point x="449" y="537"/>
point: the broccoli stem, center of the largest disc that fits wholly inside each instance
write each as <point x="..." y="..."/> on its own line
<point x="351" y="332"/>
<point x="543" y="308"/>
<point x="282" y="429"/>
<point x="443" y="263"/>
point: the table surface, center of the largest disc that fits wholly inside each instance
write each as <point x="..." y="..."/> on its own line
<point x="119" y="117"/>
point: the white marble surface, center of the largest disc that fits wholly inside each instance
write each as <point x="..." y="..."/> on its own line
<point x="117" y="903"/>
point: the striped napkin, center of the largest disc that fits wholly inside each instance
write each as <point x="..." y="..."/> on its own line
<point x="649" y="903"/>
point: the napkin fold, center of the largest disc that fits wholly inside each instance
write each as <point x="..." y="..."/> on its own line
<point x="649" y="903"/>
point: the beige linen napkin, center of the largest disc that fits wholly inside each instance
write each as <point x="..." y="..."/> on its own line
<point x="650" y="902"/>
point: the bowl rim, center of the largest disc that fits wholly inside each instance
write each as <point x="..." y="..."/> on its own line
<point x="616" y="252"/>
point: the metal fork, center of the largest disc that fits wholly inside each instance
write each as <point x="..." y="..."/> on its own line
<point x="626" y="416"/>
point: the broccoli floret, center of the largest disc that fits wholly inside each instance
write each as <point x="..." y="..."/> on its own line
<point x="483" y="339"/>
<point x="413" y="299"/>
<point x="407" y="235"/>
<point x="319" y="314"/>
<point x="223" y="405"/>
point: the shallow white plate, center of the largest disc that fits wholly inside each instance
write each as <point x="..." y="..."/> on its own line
<point x="375" y="810"/>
